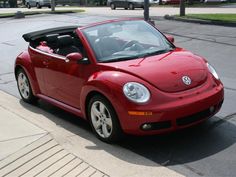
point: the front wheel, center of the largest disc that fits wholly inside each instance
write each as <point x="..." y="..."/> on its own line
<point x="38" y="6"/>
<point x="113" y="6"/>
<point x="28" y="6"/>
<point x="24" y="87"/>
<point x="131" y="6"/>
<point x="104" y="120"/>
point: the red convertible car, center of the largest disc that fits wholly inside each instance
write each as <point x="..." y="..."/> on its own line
<point x="123" y="76"/>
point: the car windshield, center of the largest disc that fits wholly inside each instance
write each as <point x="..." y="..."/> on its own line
<point x="126" y="40"/>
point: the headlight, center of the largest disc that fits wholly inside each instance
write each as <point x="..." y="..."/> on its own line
<point x="136" y="92"/>
<point x="213" y="71"/>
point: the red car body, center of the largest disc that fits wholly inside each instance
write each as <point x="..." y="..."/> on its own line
<point x="172" y="104"/>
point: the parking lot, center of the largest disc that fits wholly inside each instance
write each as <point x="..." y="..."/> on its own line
<point x="205" y="150"/>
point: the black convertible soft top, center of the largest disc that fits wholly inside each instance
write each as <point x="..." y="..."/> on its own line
<point x="32" y="36"/>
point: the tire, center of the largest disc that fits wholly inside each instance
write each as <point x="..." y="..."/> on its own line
<point x="113" y="6"/>
<point x="24" y="87"/>
<point x="49" y="6"/>
<point x="28" y="6"/>
<point x="131" y="6"/>
<point x="38" y="6"/>
<point x="103" y="119"/>
<point x="126" y="8"/>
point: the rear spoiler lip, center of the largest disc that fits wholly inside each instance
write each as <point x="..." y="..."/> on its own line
<point x="28" y="37"/>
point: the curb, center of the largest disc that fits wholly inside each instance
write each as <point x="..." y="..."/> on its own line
<point x="207" y="22"/>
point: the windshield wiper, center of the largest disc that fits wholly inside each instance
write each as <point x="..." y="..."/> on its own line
<point x="120" y="59"/>
<point x="124" y="58"/>
<point x="157" y="52"/>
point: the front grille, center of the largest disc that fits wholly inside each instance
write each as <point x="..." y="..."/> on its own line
<point x="193" y="118"/>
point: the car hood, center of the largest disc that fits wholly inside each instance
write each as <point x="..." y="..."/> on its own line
<point x="165" y="71"/>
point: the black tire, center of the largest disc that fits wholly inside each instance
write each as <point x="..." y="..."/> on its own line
<point x="126" y="8"/>
<point x="49" y="6"/>
<point x="113" y="6"/>
<point x="116" y="132"/>
<point x="38" y="6"/>
<point x="131" y="6"/>
<point x="30" y="98"/>
<point x="28" y="6"/>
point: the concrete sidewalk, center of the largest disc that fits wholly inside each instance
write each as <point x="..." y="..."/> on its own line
<point x="32" y="144"/>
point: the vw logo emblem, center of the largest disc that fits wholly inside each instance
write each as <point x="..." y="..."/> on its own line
<point x="186" y="80"/>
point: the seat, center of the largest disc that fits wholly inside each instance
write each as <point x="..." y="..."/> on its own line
<point x="106" y="45"/>
<point x="66" y="45"/>
<point x="52" y="41"/>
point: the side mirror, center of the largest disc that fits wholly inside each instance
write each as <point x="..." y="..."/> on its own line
<point x="170" y="38"/>
<point x="74" y="57"/>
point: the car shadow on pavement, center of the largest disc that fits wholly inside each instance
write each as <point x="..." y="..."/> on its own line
<point x="184" y="146"/>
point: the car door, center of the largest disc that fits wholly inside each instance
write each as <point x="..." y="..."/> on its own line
<point x="65" y="78"/>
<point x="39" y="60"/>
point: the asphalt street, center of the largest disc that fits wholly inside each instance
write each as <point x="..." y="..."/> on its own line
<point x="206" y="150"/>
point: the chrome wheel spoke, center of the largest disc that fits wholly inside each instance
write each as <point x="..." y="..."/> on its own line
<point x="95" y="111"/>
<point x="102" y="108"/>
<point x="105" y="131"/>
<point x="109" y="122"/>
<point x="97" y="124"/>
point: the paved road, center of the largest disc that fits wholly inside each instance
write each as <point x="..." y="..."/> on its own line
<point x="207" y="150"/>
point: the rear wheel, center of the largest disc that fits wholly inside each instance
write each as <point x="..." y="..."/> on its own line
<point x="24" y="87"/>
<point x="131" y="6"/>
<point x="103" y="119"/>
<point x="28" y="6"/>
<point x="113" y="6"/>
<point x="38" y="6"/>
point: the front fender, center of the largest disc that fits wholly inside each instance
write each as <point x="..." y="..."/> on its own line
<point x="109" y="84"/>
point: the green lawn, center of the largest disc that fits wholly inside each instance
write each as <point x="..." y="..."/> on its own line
<point x="41" y="12"/>
<point x="216" y="17"/>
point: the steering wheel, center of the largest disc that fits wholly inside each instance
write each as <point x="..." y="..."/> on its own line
<point x="131" y="43"/>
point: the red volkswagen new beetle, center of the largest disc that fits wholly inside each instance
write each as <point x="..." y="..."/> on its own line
<point x="123" y="76"/>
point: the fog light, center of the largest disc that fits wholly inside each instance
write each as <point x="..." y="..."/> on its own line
<point x="212" y="109"/>
<point x="146" y="126"/>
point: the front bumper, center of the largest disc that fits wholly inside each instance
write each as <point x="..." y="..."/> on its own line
<point x="179" y="111"/>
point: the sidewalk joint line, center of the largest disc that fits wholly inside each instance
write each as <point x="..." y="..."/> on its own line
<point x="41" y="162"/>
<point x="93" y="173"/>
<point x="28" y="161"/>
<point x="51" y="165"/>
<point x="26" y="152"/>
<point x="21" y="137"/>
<point x="73" y="168"/>
<point x="61" y="167"/>
<point x="83" y="170"/>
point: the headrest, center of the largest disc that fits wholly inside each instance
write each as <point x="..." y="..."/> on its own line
<point x="50" y="38"/>
<point x="65" y="40"/>
<point x="104" y="32"/>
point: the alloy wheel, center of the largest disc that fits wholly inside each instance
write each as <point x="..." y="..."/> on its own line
<point x="101" y="119"/>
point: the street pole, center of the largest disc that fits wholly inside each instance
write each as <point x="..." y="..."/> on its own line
<point x="53" y="4"/>
<point x="146" y="10"/>
<point x="182" y="8"/>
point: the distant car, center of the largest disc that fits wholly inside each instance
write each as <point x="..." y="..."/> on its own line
<point x="123" y="76"/>
<point x="214" y="1"/>
<point x="126" y="4"/>
<point x="170" y="1"/>
<point x="38" y="3"/>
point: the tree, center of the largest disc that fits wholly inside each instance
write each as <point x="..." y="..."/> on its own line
<point x="182" y="8"/>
